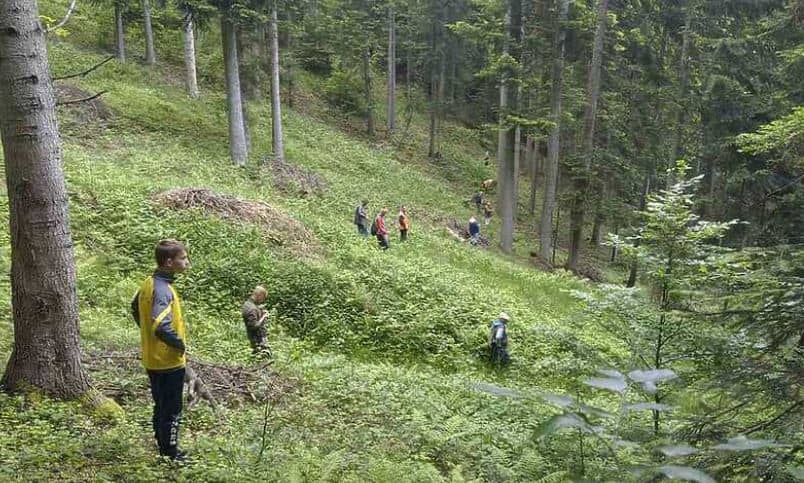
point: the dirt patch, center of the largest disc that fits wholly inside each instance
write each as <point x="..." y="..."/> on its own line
<point x="82" y="114"/>
<point x="461" y="232"/>
<point x="231" y="386"/>
<point x="291" y="179"/>
<point x="278" y="228"/>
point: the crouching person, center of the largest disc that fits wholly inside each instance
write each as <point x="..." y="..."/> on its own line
<point x="498" y="340"/>
<point x="254" y="316"/>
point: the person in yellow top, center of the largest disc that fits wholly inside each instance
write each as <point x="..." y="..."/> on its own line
<point x="403" y="222"/>
<point x="157" y="310"/>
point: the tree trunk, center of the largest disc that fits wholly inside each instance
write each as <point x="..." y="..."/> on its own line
<point x="582" y="182"/>
<point x="367" y="88"/>
<point x="432" y="148"/>
<point x="391" y="71"/>
<point x="46" y="354"/>
<point x="551" y="168"/>
<point x="238" y="149"/>
<point x="277" y="137"/>
<point x="535" y="173"/>
<point x="505" y="164"/>
<point x="643" y="203"/>
<point x="683" y="66"/>
<point x="120" y="33"/>
<point x="246" y="79"/>
<point x="189" y="56"/>
<point x="150" y="52"/>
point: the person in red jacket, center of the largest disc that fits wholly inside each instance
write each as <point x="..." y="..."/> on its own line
<point x="382" y="231"/>
<point x="403" y="222"/>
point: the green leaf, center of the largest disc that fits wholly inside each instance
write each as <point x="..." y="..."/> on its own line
<point x="741" y="443"/>
<point x="685" y="473"/>
<point x="677" y="450"/>
<point x="609" y="384"/>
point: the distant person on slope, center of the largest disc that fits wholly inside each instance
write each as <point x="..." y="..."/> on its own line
<point x="378" y="229"/>
<point x="498" y="340"/>
<point x="157" y="310"/>
<point x="477" y="199"/>
<point x="474" y="231"/>
<point x="403" y="222"/>
<point x="361" y="218"/>
<point x="487" y="211"/>
<point x="254" y="316"/>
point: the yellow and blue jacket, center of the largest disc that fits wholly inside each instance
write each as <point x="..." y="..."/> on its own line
<point x="157" y="310"/>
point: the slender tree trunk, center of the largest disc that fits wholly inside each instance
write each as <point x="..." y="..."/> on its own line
<point x="683" y="67"/>
<point x="120" y="33"/>
<point x="277" y="136"/>
<point x="551" y="168"/>
<point x="238" y="149"/>
<point x="150" y="52"/>
<point x="367" y="87"/>
<point x="189" y="56"/>
<point x="247" y="90"/>
<point x="505" y="163"/>
<point x="432" y="148"/>
<point x="582" y="182"/>
<point x="535" y="161"/>
<point x="643" y="203"/>
<point x="46" y="354"/>
<point x="289" y="67"/>
<point x="391" y="71"/>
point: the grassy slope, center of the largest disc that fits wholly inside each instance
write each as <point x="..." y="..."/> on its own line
<point x="382" y="343"/>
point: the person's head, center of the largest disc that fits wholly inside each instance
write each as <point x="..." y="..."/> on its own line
<point x="364" y="203"/>
<point x="171" y="256"/>
<point x="472" y="219"/>
<point x="383" y="211"/>
<point x="480" y="192"/>
<point x="259" y="294"/>
<point x="402" y="208"/>
<point x="504" y="317"/>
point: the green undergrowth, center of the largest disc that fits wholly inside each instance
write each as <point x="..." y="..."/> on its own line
<point x="385" y="346"/>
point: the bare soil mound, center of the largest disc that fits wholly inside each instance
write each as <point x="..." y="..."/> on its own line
<point x="85" y="113"/>
<point x="292" y="179"/>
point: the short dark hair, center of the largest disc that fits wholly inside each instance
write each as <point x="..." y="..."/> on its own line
<point x="167" y="250"/>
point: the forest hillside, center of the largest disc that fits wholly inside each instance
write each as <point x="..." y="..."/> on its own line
<point x="379" y="367"/>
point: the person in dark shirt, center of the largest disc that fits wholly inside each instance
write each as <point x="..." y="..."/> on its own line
<point x="254" y="316"/>
<point x="361" y="218"/>
<point x="474" y="231"/>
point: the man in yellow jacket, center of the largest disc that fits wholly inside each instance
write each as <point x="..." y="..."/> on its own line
<point x="157" y="310"/>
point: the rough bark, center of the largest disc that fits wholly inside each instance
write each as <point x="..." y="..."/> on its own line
<point x="683" y="68"/>
<point x="277" y="137"/>
<point x="120" y="33"/>
<point x="247" y="84"/>
<point x="391" y="71"/>
<point x="150" y="52"/>
<point x="432" y="145"/>
<point x="238" y="150"/>
<point x="535" y="174"/>
<point x="367" y="91"/>
<point x="189" y="56"/>
<point x="582" y="182"/>
<point x="643" y="203"/>
<point x="46" y="353"/>
<point x="551" y="168"/>
<point x="505" y="175"/>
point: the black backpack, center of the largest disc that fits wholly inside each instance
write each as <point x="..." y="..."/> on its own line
<point x="374" y="227"/>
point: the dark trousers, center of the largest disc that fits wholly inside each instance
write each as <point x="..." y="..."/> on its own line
<point x="403" y="235"/>
<point x="256" y="336"/>
<point x="383" y="241"/>
<point x="166" y="389"/>
<point x="361" y="229"/>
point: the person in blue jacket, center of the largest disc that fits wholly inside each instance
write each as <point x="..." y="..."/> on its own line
<point x="498" y="340"/>
<point x="474" y="231"/>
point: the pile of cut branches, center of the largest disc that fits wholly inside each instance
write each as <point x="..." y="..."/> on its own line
<point x="294" y="179"/>
<point x="279" y="228"/>
<point x="228" y="385"/>
<point x="461" y="233"/>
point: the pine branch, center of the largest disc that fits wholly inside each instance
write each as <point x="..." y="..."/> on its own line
<point x="78" y="101"/>
<point x="84" y="73"/>
<point x="64" y="20"/>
